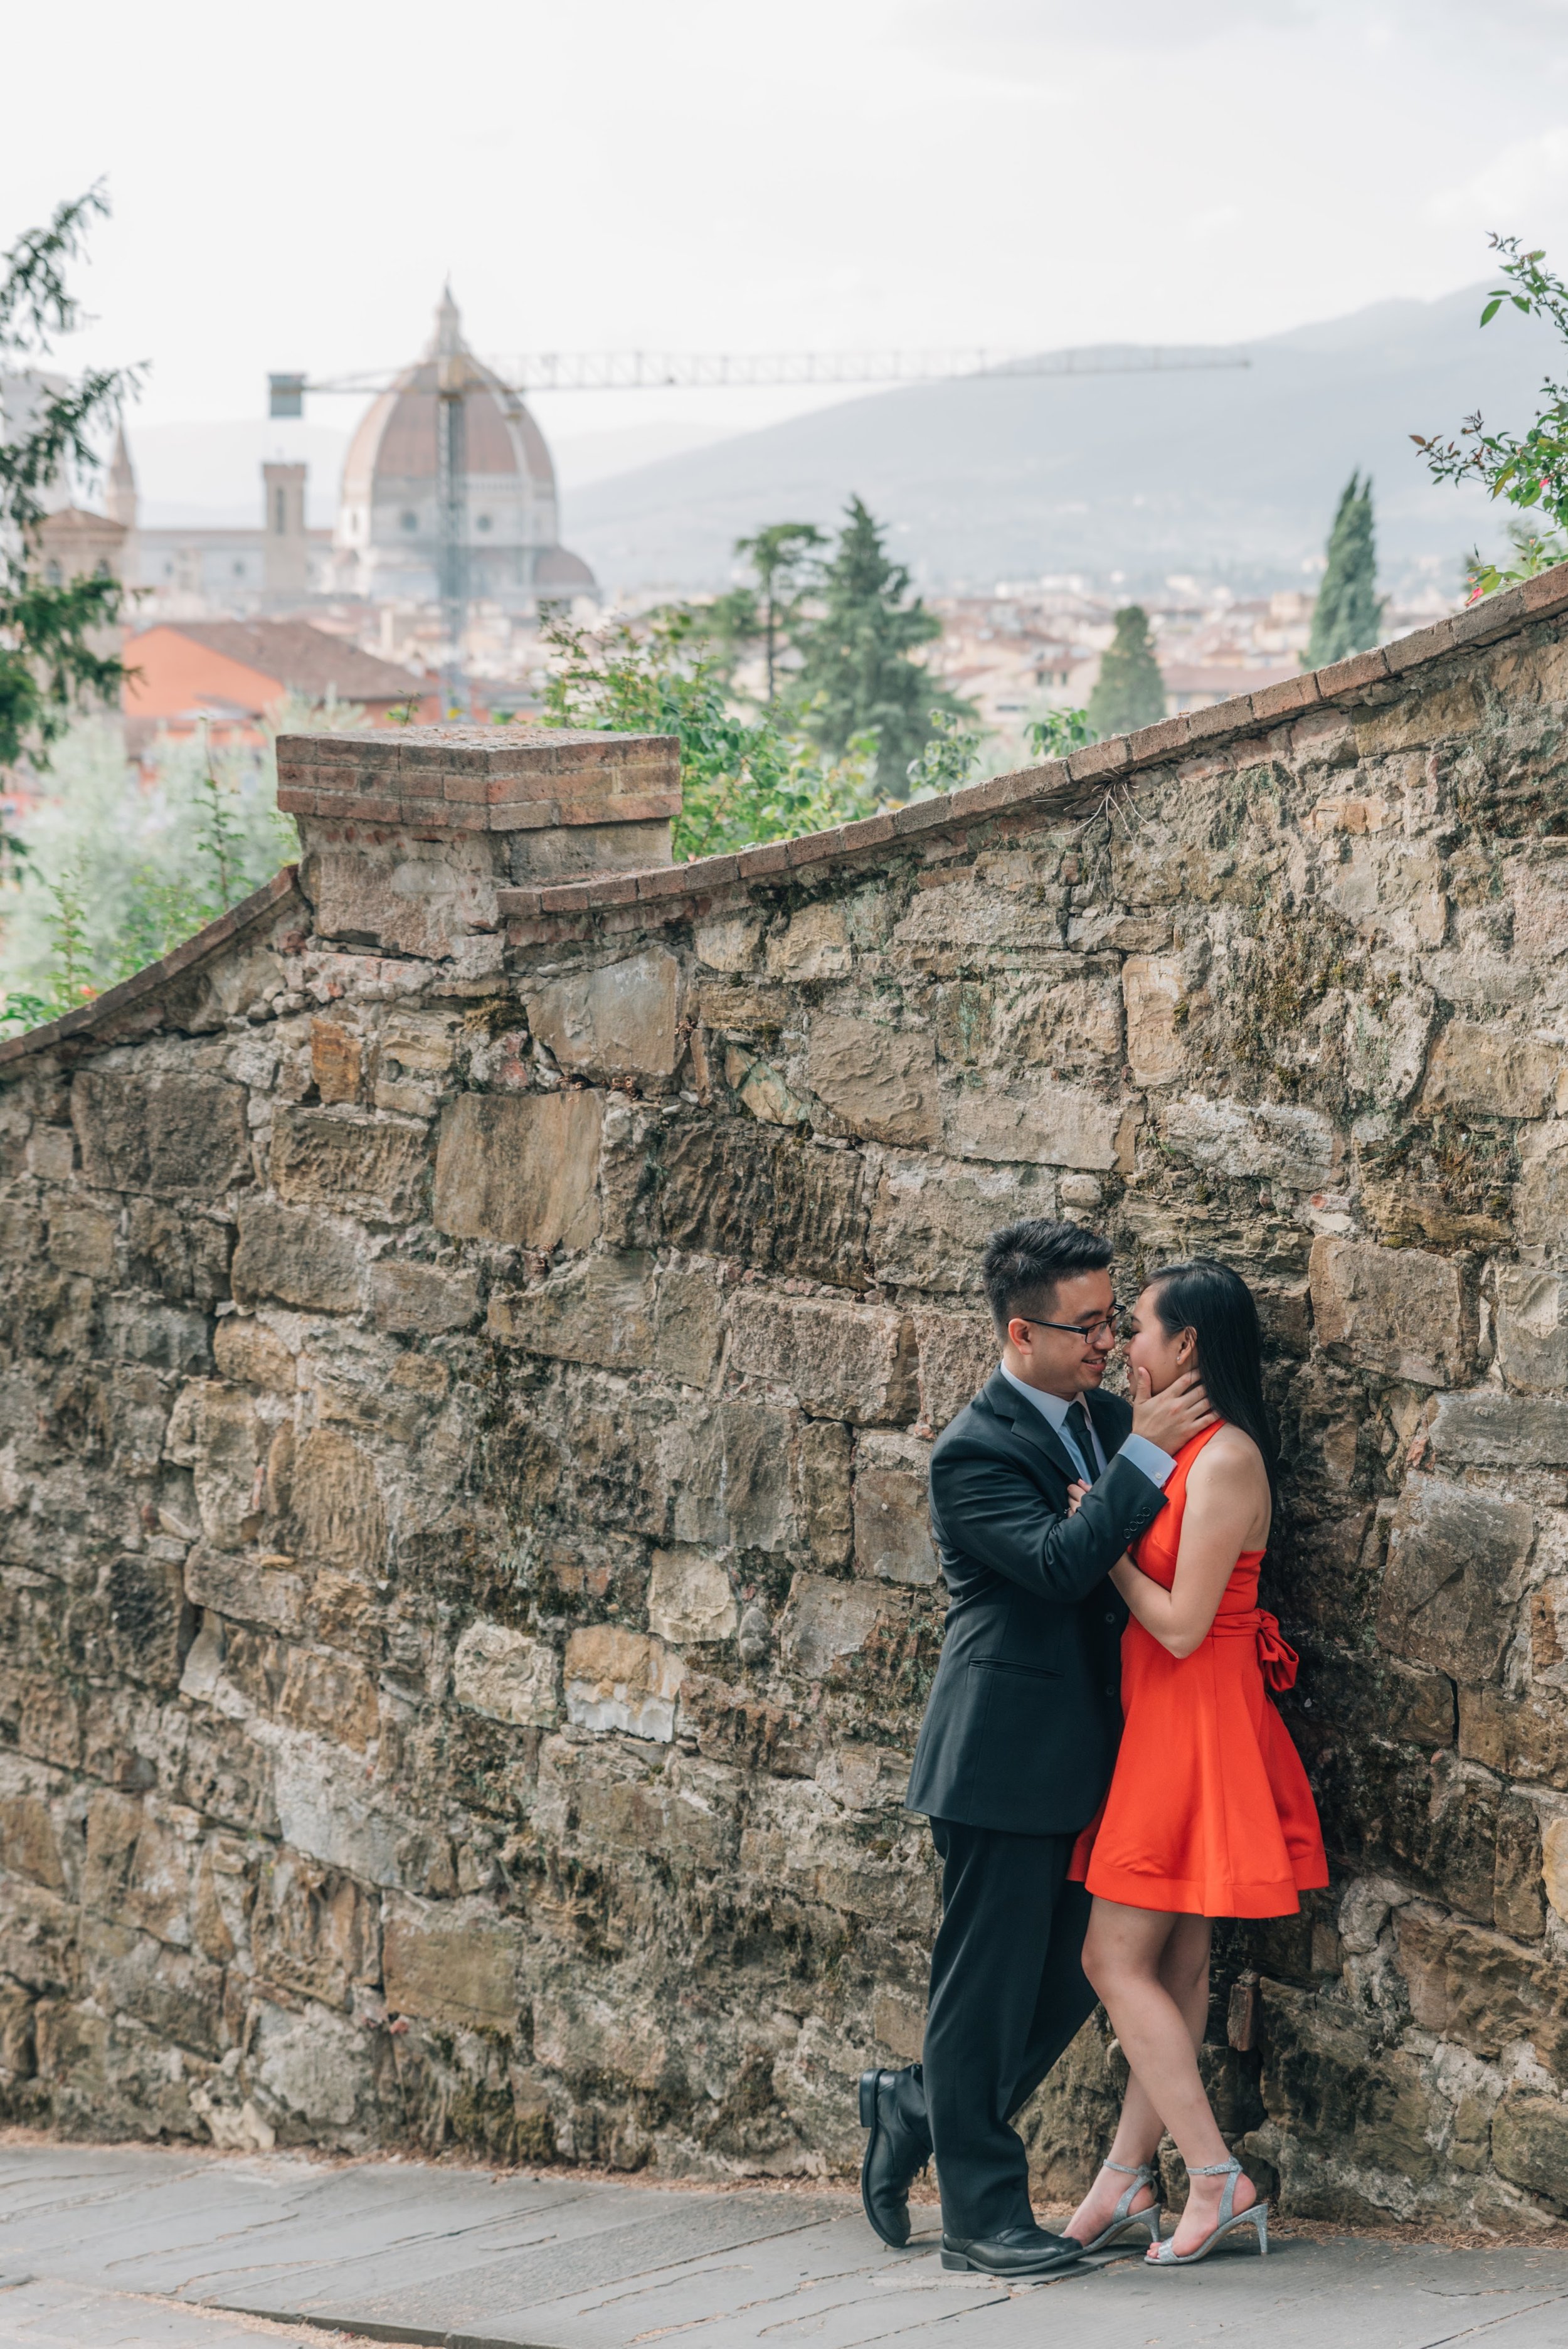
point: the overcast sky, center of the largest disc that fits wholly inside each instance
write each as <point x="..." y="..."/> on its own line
<point x="291" y="181"/>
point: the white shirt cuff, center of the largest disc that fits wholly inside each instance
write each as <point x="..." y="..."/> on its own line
<point x="1157" y="1465"/>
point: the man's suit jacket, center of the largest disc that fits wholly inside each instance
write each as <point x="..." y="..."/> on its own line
<point x="1021" y="1729"/>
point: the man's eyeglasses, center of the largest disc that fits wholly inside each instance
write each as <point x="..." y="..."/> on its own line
<point x="1111" y="1325"/>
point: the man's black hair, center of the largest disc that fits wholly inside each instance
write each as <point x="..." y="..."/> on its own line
<point x="1024" y="1264"/>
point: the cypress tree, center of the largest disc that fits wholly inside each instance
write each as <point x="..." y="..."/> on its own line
<point x="1130" y="691"/>
<point x="1348" y="616"/>
<point x="856" y="673"/>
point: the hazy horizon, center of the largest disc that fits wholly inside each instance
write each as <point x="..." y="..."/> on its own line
<point x="1127" y="478"/>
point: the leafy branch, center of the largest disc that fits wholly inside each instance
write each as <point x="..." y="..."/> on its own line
<point x="49" y="661"/>
<point x="947" y="758"/>
<point x="1059" y="733"/>
<point x="1535" y="550"/>
<point x="741" y="782"/>
<point x="1530" y="469"/>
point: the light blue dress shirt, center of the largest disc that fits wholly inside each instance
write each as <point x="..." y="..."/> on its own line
<point x="1157" y="1465"/>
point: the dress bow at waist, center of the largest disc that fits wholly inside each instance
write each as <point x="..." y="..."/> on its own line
<point x="1277" y="1659"/>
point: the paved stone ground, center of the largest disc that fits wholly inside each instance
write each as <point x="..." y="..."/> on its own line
<point x="136" y="2248"/>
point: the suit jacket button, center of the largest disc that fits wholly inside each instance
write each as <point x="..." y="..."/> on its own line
<point x="1110" y="1617"/>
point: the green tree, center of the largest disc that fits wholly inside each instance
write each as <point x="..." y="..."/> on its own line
<point x="761" y="616"/>
<point x="784" y="556"/>
<point x="858" y="675"/>
<point x="742" y="782"/>
<point x="117" y="869"/>
<point x="727" y="631"/>
<point x="1130" y="691"/>
<point x="51" y="656"/>
<point x="1348" y="616"/>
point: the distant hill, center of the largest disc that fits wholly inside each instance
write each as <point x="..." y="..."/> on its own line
<point x="1228" y="475"/>
<point x="583" y="457"/>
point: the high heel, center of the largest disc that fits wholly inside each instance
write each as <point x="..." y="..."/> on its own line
<point x="1163" y="2255"/>
<point x="1126" y="2219"/>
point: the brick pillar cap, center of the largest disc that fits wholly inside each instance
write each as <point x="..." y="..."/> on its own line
<point x="480" y="777"/>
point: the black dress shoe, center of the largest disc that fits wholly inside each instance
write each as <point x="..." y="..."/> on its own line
<point x="893" y="2108"/>
<point x="1016" y="2252"/>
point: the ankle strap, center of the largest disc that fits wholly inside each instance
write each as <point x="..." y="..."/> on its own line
<point x="1230" y="2171"/>
<point x="1141" y="2176"/>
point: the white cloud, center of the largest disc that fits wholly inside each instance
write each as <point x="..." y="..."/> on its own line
<point x="1025" y="27"/>
<point x="1519" y="176"/>
<point x="1210" y="221"/>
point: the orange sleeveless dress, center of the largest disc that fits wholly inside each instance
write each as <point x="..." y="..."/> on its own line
<point x="1209" y="1812"/>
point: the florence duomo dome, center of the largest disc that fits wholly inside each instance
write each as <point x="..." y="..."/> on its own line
<point x="387" y="540"/>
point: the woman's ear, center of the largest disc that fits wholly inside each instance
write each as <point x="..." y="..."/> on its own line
<point x="1187" y="1349"/>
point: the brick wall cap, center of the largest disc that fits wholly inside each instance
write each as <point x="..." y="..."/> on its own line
<point x="1353" y="674"/>
<point x="1402" y="653"/>
<point x="1284" y="699"/>
<point x="486" y="746"/>
<point x="518" y="777"/>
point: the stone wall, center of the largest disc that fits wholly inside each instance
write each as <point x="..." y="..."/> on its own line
<point x="472" y="1342"/>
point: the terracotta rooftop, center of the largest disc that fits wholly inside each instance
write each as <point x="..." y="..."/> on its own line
<point x="303" y="659"/>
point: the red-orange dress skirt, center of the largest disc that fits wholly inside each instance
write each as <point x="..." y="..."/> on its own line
<point x="1209" y="1812"/>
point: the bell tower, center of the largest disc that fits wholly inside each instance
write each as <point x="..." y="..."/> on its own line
<point x="120" y="500"/>
<point x="285" y="548"/>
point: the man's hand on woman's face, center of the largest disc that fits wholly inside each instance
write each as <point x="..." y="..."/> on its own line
<point x="1172" y="1417"/>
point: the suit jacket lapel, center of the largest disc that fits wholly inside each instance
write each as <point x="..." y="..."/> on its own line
<point x="1031" y="1427"/>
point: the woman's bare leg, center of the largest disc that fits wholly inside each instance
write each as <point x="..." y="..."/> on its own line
<point x="1184" y="1970"/>
<point x="1125" y="1957"/>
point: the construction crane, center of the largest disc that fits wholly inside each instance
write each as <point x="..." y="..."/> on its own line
<point x="459" y="375"/>
<point x="751" y="371"/>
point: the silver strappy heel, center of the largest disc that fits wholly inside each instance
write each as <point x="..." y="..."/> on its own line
<point x="1127" y="2220"/>
<point x="1162" y="2255"/>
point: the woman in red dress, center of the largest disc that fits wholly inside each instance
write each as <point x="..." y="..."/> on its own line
<point x="1209" y="1812"/>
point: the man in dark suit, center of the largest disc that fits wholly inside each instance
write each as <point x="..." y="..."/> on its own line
<point x="1037" y="1488"/>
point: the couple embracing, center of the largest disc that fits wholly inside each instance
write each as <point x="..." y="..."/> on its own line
<point x="1102" y="1768"/>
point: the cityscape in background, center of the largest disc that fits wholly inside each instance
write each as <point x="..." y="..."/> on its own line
<point x="225" y="618"/>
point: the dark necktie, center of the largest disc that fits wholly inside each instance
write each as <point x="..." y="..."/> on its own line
<point x="1077" y="1427"/>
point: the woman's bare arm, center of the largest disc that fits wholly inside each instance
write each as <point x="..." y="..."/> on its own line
<point x="1227" y="1511"/>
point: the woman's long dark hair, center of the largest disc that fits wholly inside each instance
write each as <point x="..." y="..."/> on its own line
<point x="1216" y="1305"/>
